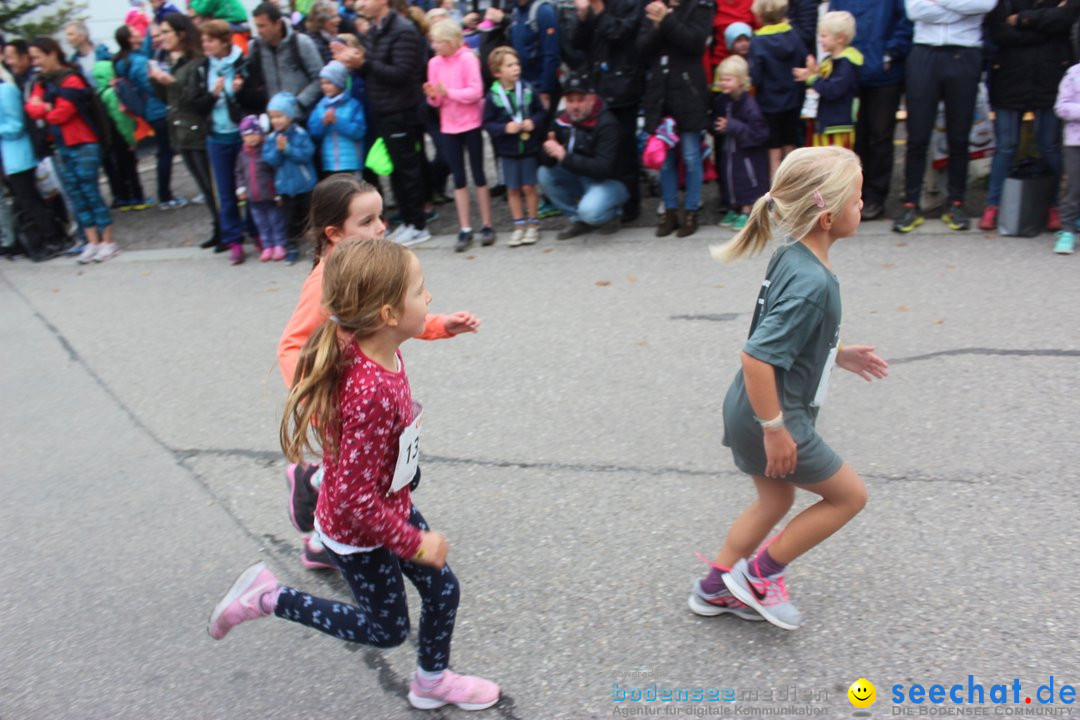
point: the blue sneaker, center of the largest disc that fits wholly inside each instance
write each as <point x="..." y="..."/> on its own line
<point x="1066" y="243"/>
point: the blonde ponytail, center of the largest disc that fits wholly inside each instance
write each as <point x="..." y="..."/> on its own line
<point x="809" y="182"/>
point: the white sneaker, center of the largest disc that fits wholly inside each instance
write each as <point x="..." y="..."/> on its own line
<point x="411" y="236"/>
<point x="89" y="252"/>
<point x="396" y="232"/>
<point x="532" y="234"/>
<point x="517" y="237"/>
<point x="199" y="199"/>
<point x="106" y="251"/>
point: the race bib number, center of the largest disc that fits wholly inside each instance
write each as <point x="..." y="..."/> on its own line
<point x="408" y="458"/>
<point x="823" y="384"/>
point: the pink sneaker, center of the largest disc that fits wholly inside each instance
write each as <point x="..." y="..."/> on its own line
<point x="267" y="253"/>
<point x="468" y="692"/>
<point x="279" y="253"/>
<point x="236" y="253"/>
<point x="244" y="601"/>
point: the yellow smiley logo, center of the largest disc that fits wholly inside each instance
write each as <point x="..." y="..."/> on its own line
<point x="862" y="693"/>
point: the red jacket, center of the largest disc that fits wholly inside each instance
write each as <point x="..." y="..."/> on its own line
<point x="64" y="114"/>
<point x="727" y="12"/>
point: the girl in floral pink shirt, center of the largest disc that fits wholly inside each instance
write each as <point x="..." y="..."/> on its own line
<point x="354" y="393"/>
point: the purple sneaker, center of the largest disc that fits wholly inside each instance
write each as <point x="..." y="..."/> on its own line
<point x="244" y="601"/>
<point x="302" y="496"/>
<point x="468" y="692"/>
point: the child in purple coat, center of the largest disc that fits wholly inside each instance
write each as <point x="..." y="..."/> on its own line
<point x="255" y="183"/>
<point x="742" y="135"/>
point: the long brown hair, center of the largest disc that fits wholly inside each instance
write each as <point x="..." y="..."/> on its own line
<point x="330" y="207"/>
<point x="361" y="277"/>
<point x="191" y="39"/>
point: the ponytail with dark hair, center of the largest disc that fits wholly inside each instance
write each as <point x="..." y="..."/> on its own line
<point x="50" y="47"/>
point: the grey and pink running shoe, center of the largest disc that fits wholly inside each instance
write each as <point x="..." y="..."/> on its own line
<point x="721" y="603"/>
<point x="767" y="595"/>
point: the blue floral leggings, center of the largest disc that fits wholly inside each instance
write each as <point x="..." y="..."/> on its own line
<point x="79" y="167"/>
<point x="381" y="615"/>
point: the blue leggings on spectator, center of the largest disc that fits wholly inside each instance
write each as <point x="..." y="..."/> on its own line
<point x="454" y="145"/>
<point x="79" y="166"/>
<point x="381" y="615"/>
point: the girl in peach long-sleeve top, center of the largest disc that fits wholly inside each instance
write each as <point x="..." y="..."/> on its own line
<point x="342" y="206"/>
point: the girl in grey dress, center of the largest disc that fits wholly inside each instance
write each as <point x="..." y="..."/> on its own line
<point x="771" y="407"/>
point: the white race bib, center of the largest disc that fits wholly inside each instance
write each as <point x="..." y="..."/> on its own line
<point x="826" y="373"/>
<point x="408" y="458"/>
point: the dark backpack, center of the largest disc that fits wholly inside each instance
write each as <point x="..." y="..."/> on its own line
<point x="131" y="97"/>
<point x="88" y="105"/>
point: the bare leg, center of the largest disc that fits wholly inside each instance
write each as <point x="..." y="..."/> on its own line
<point x="92" y="236"/>
<point x="107" y="234"/>
<point x="842" y="497"/>
<point x="774" y="161"/>
<point x="461" y="202"/>
<point x="513" y="195"/>
<point x="483" y="199"/>
<point x="749" y="530"/>
<point x="532" y="200"/>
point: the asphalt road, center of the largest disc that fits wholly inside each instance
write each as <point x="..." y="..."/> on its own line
<point x="571" y="454"/>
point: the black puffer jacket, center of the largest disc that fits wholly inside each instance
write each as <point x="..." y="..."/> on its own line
<point x="675" y="82"/>
<point x="1033" y="55"/>
<point x="395" y="67"/>
<point x="608" y="41"/>
<point x="592" y="145"/>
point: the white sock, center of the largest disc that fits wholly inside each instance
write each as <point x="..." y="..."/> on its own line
<point x="315" y="541"/>
<point x="316" y="479"/>
<point x="429" y="678"/>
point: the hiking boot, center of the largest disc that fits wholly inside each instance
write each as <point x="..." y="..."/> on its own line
<point x="723" y="602"/>
<point x="669" y="222"/>
<point x="689" y="224"/>
<point x="464" y="240"/>
<point x="573" y="230"/>
<point x="302" y="497"/>
<point x="244" y="601"/>
<point x="766" y="595"/>
<point x="1066" y="243"/>
<point x="910" y="218"/>
<point x="956" y="217"/>
<point x="466" y="691"/>
<point x="314" y="557"/>
<point x="610" y="227"/>
<point x="988" y="221"/>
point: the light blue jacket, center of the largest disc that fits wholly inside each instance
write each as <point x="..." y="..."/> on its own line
<point x="221" y="122"/>
<point x="15" y="143"/>
<point x="342" y="143"/>
<point x="294" y="171"/>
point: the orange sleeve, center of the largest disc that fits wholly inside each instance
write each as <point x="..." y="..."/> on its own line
<point x="434" y="328"/>
<point x="308" y="315"/>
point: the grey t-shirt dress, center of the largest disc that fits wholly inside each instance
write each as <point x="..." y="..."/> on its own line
<point x="796" y="328"/>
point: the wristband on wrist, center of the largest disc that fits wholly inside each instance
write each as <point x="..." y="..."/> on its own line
<point x="419" y="554"/>
<point x="776" y="422"/>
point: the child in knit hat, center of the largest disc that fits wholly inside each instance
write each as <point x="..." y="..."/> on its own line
<point x="337" y="123"/>
<point x="289" y="150"/>
<point x="255" y="184"/>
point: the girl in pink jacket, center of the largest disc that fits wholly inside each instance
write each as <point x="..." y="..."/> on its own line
<point x="455" y="87"/>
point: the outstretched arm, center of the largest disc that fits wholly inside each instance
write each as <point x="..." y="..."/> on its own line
<point x="861" y="360"/>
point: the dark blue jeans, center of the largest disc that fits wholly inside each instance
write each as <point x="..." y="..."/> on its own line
<point x="381" y="615"/>
<point x="1007" y="137"/>
<point x="164" y="160"/>
<point x="223" y="163"/>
